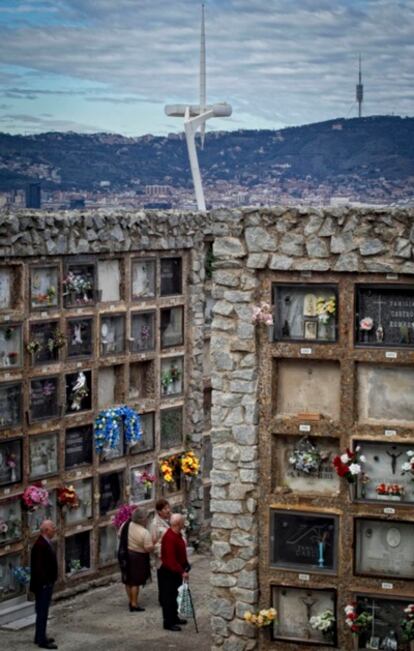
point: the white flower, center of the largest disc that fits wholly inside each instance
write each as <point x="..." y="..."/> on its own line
<point x="410" y="453"/>
<point x="292" y="460"/>
<point x="362" y="458"/>
<point x="345" y="458"/>
<point x="354" y="468"/>
<point x="349" y="609"/>
<point x="406" y="467"/>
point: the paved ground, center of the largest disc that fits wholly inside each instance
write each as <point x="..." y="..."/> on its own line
<point x="100" y="620"/>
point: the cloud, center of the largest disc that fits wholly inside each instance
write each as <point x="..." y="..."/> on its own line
<point x="40" y="124"/>
<point x="278" y="61"/>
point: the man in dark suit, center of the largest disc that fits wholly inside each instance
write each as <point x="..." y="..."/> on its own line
<point x="43" y="574"/>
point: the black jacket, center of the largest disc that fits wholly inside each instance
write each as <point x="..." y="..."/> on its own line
<point x="43" y="565"/>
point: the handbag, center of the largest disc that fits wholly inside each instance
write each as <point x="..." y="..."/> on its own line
<point x="184" y="601"/>
<point x="123" y="550"/>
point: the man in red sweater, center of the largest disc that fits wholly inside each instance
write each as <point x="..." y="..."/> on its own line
<point x="173" y="571"/>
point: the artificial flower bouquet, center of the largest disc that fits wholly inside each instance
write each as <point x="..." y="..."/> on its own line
<point x="260" y="619"/>
<point x="262" y="314"/>
<point x="325" y="308"/>
<point x="190" y="464"/>
<point x="67" y="497"/>
<point x="408" y="466"/>
<point x="407" y="624"/>
<point x="348" y="464"/>
<point x="168" y="468"/>
<point x="366" y="324"/>
<point x="123" y="514"/>
<point x="391" y="490"/>
<point x="357" y="623"/>
<point x="35" y="496"/>
<point x="324" y="622"/>
<point x="146" y="479"/>
<point x="22" y="575"/>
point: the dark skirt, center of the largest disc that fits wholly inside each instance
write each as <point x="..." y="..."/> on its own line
<point x="138" y="569"/>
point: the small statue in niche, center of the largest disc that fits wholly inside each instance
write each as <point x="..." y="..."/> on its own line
<point x="389" y="642"/>
<point x="379" y="334"/>
<point x="79" y="391"/>
<point x="309" y="305"/>
<point x="77" y="334"/>
<point x="286" y="329"/>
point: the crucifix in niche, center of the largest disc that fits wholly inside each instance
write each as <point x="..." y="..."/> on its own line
<point x="308" y="602"/>
<point x="394" y="458"/>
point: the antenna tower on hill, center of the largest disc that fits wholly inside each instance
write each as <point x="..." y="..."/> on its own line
<point x="195" y="118"/>
<point x="359" y="90"/>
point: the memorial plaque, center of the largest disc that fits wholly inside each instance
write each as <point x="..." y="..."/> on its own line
<point x="78" y="391"/>
<point x="384" y="548"/>
<point x="10" y="404"/>
<point x="304" y="464"/>
<point x="172" y="376"/>
<point x="111" y="491"/>
<point x="171" y="276"/>
<point x="79" y="285"/>
<point x="108" y="545"/>
<point x="143" y="278"/>
<point x="304" y="541"/>
<point x="110" y="383"/>
<point x="385" y="393"/>
<point x="386" y="475"/>
<point x="44" y="398"/>
<point x="83" y="490"/>
<point x="46" y="340"/>
<point x="142" y="488"/>
<point x="147" y="442"/>
<point x="385" y="316"/>
<point x="384" y="631"/>
<point x="78" y="446"/>
<point x="172" y="326"/>
<point x="79" y="337"/>
<point x="308" y="386"/>
<point x="77" y="553"/>
<point x="171" y="428"/>
<point x="10" y="462"/>
<point x="44" y="287"/>
<point x="43" y="455"/>
<point x="10" y="521"/>
<point x="35" y="518"/>
<point x="6" y="288"/>
<point x="142" y="331"/>
<point x="305" y="312"/>
<point x="10" y="346"/>
<point x="9" y="586"/>
<point x="142" y="380"/>
<point x="295" y="609"/>
<point x="112" y="333"/>
<point x="109" y="280"/>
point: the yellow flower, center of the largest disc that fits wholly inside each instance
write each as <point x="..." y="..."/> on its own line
<point x="247" y="616"/>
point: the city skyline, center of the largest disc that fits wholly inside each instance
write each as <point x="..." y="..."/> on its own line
<point x="102" y="66"/>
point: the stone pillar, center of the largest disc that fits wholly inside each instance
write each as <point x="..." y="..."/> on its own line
<point x="235" y="453"/>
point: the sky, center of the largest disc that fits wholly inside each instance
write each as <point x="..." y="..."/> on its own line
<point x="112" y="65"/>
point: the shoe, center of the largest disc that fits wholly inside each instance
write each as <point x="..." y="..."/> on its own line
<point x="48" y="645"/>
<point x="49" y="640"/>
<point x="174" y="627"/>
<point x="181" y="621"/>
<point x="136" y="609"/>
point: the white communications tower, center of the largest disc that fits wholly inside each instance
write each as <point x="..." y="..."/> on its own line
<point x="195" y="118"/>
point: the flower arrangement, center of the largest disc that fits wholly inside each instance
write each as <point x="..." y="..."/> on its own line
<point x="11" y="461"/>
<point x="408" y="466"/>
<point x="169" y="377"/>
<point x="307" y="458"/>
<point x="22" y="575"/>
<point x="108" y="430"/>
<point x="34" y="347"/>
<point x="123" y="514"/>
<point x="262" y="314"/>
<point x="48" y="297"/>
<point x="262" y="618"/>
<point x="389" y="489"/>
<point x="77" y="284"/>
<point x="169" y="468"/>
<point x="146" y="479"/>
<point x="323" y="622"/>
<point x="79" y="391"/>
<point x="75" y="566"/>
<point x="35" y="496"/>
<point x="56" y="341"/>
<point x="348" y="464"/>
<point x="190" y="464"/>
<point x="407" y="624"/>
<point x="366" y="324"/>
<point x="357" y="623"/>
<point x="325" y="308"/>
<point x="67" y="496"/>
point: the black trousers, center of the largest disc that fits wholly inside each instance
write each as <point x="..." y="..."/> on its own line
<point x="43" y="597"/>
<point x="169" y="582"/>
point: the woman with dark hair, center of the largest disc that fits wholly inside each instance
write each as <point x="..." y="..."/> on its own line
<point x="134" y="550"/>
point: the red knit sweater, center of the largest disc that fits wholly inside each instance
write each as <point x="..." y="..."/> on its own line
<point x="173" y="552"/>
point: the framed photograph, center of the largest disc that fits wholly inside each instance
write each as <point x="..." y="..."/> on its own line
<point x="374" y="643"/>
<point x="310" y="329"/>
<point x="43" y="455"/>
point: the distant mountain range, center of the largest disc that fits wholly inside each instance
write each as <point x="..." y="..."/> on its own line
<point x="365" y="149"/>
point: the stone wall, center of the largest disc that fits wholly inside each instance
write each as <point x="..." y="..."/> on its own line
<point x="292" y="243"/>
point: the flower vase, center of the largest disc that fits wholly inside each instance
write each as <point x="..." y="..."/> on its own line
<point x="13" y="475"/>
<point x="351" y="491"/>
<point x="355" y="640"/>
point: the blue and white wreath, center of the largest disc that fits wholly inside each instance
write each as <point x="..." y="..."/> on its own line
<point x="108" y="427"/>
